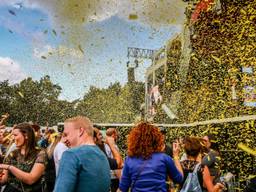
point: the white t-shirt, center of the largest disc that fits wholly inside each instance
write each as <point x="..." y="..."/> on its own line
<point x="57" y="154"/>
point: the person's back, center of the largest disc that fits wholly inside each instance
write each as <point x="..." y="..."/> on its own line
<point x="153" y="173"/>
<point x="188" y="166"/>
<point x="193" y="147"/>
<point x="83" y="168"/>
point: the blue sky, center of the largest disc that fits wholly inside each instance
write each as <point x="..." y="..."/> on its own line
<point x="29" y="34"/>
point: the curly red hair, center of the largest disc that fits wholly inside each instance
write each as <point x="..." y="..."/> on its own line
<point x="145" y="139"/>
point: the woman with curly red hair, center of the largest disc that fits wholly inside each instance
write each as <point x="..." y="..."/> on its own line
<point x="147" y="167"/>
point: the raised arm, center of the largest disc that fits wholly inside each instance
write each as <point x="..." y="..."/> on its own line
<point x="176" y="153"/>
<point x="4" y="117"/>
<point x="208" y="182"/>
<point x="117" y="156"/>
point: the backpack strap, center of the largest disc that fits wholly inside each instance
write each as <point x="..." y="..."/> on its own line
<point x="196" y="167"/>
<point x="189" y="179"/>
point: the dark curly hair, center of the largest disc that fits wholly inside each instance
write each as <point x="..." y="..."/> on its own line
<point x="145" y="139"/>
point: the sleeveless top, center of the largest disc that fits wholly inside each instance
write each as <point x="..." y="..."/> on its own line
<point x="188" y="166"/>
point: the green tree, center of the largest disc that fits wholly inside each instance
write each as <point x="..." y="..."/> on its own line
<point x="6" y="97"/>
<point x="115" y="104"/>
<point x="35" y="101"/>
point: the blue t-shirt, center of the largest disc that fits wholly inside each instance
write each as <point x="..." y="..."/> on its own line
<point x="83" y="169"/>
<point x="152" y="177"/>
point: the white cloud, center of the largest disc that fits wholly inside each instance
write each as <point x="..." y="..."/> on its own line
<point x="8" y="2"/>
<point x="70" y="11"/>
<point x="154" y="12"/>
<point x="19" y="3"/>
<point x="73" y="15"/>
<point x="10" y="70"/>
<point x="73" y="12"/>
<point x="48" y="51"/>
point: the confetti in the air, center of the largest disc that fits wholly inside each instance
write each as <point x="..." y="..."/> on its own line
<point x="20" y="94"/>
<point x="12" y="12"/>
<point x="247" y="149"/>
<point x="133" y="16"/>
<point x="81" y="49"/>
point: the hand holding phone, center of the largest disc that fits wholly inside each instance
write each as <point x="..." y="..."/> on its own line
<point x="110" y="140"/>
<point x="176" y="149"/>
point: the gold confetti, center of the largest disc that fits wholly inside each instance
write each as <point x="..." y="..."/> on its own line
<point x="54" y="32"/>
<point x="133" y="16"/>
<point x="216" y="59"/>
<point x="81" y="49"/>
<point x="21" y="95"/>
<point x="247" y="149"/>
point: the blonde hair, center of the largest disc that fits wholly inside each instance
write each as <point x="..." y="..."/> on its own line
<point x="83" y="122"/>
<point x="51" y="148"/>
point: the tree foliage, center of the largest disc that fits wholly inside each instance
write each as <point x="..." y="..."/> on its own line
<point x="35" y="101"/>
<point x="115" y="104"/>
<point x="38" y="101"/>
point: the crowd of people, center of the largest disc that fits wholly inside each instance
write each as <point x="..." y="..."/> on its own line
<point x="83" y="158"/>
